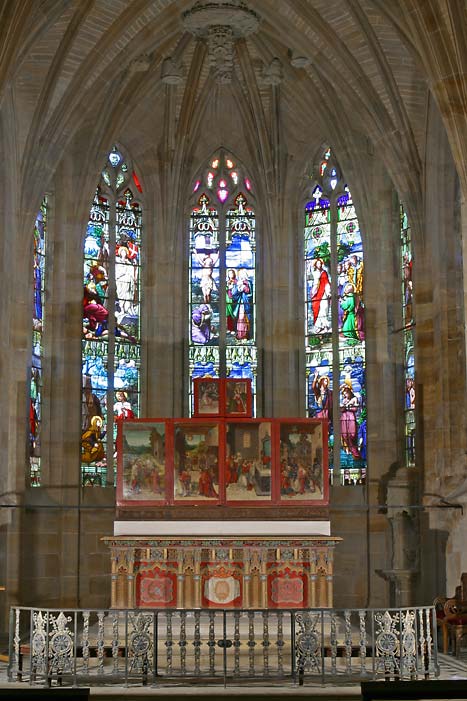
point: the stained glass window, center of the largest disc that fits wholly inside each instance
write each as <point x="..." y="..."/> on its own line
<point x="35" y="397"/>
<point x="111" y="345"/>
<point x="334" y="323"/>
<point x="408" y="323"/>
<point x="222" y="248"/>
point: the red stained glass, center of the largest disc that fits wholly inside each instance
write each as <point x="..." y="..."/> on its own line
<point x="137" y="182"/>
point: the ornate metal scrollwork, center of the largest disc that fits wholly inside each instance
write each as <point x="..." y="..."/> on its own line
<point x="308" y="643"/>
<point x="61" y="644"/>
<point x="39" y="644"/>
<point x="387" y="645"/>
<point x="140" y="643"/>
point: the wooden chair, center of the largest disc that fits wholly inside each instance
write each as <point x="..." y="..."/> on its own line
<point x="441" y="622"/>
<point x="456" y="621"/>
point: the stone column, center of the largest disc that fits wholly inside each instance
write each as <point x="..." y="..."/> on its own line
<point x="329" y="559"/>
<point x="180" y="578"/>
<point x="263" y="577"/>
<point x="130" y="558"/>
<point x="197" y="578"/>
<point x="246" y="578"/>
<point x="313" y="559"/>
<point x="113" y="578"/>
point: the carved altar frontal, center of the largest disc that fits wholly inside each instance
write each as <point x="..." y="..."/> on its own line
<point x="222" y="572"/>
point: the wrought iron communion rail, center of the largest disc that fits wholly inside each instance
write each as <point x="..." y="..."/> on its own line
<point x="134" y="647"/>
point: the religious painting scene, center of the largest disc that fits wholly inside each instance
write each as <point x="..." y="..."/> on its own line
<point x="96" y="271"/>
<point x="240" y="276"/>
<point x="143" y="461"/>
<point x="110" y="349"/>
<point x="222" y="325"/>
<point x="94" y="413"/>
<point x="349" y="274"/>
<point x="353" y="424"/>
<point x="320" y="393"/>
<point x="196" y="462"/>
<point x="238" y="398"/>
<point x="205" y="286"/>
<point x="127" y="269"/>
<point x="318" y="271"/>
<point x="207" y="397"/>
<point x="248" y="461"/>
<point x="333" y="259"/>
<point x="301" y="461"/>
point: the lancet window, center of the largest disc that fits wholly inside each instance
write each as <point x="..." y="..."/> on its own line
<point x="35" y="396"/>
<point x="334" y="322"/>
<point x="222" y="275"/>
<point x="408" y="324"/>
<point x="111" y="339"/>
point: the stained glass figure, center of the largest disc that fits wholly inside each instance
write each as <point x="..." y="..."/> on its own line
<point x="334" y="330"/>
<point x="35" y="396"/>
<point x="222" y="325"/>
<point x="408" y="322"/>
<point x="204" y="291"/>
<point x="111" y="319"/>
<point x="351" y="317"/>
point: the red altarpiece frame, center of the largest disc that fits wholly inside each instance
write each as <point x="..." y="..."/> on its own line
<point x="222" y="461"/>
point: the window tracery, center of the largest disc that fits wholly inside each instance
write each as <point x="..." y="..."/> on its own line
<point x="111" y="343"/>
<point x="334" y="321"/>
<point x="222" y="275"/>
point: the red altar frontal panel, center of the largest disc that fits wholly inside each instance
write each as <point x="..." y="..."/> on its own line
<point x="287" y="587"/>
<point x="230" y="461"/>
<point x="156" y="587"/>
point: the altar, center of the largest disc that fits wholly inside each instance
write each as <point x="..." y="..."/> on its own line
<point x="222" y="510"/>
<point x="222" y="565"/>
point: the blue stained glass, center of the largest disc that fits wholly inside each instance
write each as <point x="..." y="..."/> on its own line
<point x="343" y="200"/>
<point x="241" y="371"/>
<point x="239" y="253"/>
<point x="204" y="370"/>
<point x="126" y="375"/>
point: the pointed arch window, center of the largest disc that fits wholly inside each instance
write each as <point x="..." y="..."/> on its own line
<point x="111" y="343"/>
<point x="35" y="394"/>
<point x="334" y="321"/>
<point x="408" y="323"/>
<point x="222" y="275"/>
